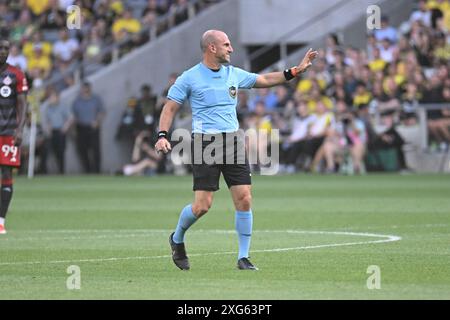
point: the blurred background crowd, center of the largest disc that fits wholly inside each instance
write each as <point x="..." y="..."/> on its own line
<point x="341" y="116"/>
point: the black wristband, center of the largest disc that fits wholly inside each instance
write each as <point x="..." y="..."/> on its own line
<point x="288" y="74"/>
<point x="163" y="134"/>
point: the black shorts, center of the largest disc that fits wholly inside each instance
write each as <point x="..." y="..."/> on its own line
<point x="213" y="154"/>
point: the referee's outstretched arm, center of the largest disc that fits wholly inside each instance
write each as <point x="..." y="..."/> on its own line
<point x="275" y="78"/>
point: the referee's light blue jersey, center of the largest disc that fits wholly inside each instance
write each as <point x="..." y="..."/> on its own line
<point x="212" y="95"/>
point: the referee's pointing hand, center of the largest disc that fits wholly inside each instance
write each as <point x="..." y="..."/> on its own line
<point x="307" y="60"/>
<point x="163" y="145"/>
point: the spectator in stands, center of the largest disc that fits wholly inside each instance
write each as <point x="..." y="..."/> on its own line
<point x="37" y="7"/>
<point x="92" y="47"/>
<point x="283" y="97"/>
<point x="61" y="76"/>
<point x="261" y="121"/>
<point x="125" y="25"/>
<point x="377" y="63"/>
<point x="440" y="14"/>
<point x="132" y="121"/>
<point x="410" y="100"/>
<point x="151" y="13"/>
<point x="58" y="120"/>
<point x="387" y="50"/>
<point x="145" y="160"/>
<point x="148" y="106"/>
<point x="296" y="144"/>
<point x="66" y="49"/>
<point x="16" y="58"/>
<point x="267" y="97"/>
<point x="316" y="97"/>
<point x="386" y="31"/>
<point x="362" y="96"/>
<point x="387" y="139"/>
<point x="319" y="131"/>
<point x="89" y="112"/>
<point x="422" y="14"/>
<point x="178" y="12"/>
<point x="331" y="45"/>
<point x="39" y="64"/>
<point x="438" y="123"/>
<point x="22" y="28"/>
<point x="53" y="18"/>
<point x="6" y="15"/>
<point x="37" y="40"/>
<point x="441" y="49"/>
<point x="346" y="136"/>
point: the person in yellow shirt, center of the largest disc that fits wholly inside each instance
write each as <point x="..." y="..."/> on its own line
<point x="37" y="40"/>
<point x="362" y="96"/>
<point x="377" y="64"/>
<point x="442" y="49"/>
<point x="305" y="85"/>
<point x="315" y="98"/>
<point x="444" y="7"/>
<point x="125" y="24"/>
<point x="116" y="6"/>
<point x="39" y="63"/>
<point x="37" y="7"/>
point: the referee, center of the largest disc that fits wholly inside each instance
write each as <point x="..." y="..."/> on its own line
<point x="211" y="88"/>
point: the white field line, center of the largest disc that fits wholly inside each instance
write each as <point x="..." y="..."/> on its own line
<point x="150" y="232"/>
<point x="81" y="231"/>
<point x="384" y="238"/>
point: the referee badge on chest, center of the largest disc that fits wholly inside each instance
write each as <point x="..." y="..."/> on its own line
<point x="5" y="91"/>
<point x="232" y="91"/>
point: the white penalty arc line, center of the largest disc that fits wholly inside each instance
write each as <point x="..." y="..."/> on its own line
<point x="384" y="239"/>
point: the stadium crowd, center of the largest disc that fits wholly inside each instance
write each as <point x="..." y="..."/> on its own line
<point x="342" y="115"/>
<point x="52" y="55"/>
<point x="44" y="48"/>
<point x="347" y="107"/>
<point x="339" y="116"/>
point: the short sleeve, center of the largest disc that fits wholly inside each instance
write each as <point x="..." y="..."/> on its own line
<point x="246" y="79"/>
<point x="180" y="90"/>
<point x="22" y="84"/>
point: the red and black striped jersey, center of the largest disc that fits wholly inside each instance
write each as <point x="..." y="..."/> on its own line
<point x="12" y="83"/>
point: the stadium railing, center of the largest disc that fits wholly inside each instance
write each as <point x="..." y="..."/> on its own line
<point x="282" y="41"/>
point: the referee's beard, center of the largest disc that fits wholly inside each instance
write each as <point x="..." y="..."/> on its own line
<point x="224" y="59"/>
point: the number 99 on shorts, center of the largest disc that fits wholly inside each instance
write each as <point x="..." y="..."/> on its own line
<point x="9" y="153"/>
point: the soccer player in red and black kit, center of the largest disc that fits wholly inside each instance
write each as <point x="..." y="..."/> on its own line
<point x="13" y="110"/>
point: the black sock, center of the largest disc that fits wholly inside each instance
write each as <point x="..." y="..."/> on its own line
<point x="6" y="194"/>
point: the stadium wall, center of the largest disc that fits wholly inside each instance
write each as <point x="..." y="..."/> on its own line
<point x="276" y="18"/>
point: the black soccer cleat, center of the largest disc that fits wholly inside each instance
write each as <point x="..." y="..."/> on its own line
<point x="245" y="264"/>
<point x="179" y="256"/>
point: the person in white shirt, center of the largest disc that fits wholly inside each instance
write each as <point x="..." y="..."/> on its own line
<point x="296" y="144"/>
<point x="386" y="31"/>
<point x="422" y="14"/>
<point x="387" y="50"/>
<point x="66" y="48"/>
<point x="16" y="58"/>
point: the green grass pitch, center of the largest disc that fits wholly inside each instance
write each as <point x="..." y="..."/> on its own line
<point x="314" y="238"/>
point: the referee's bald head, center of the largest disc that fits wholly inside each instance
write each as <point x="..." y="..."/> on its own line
<point x="210" y="36"/>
